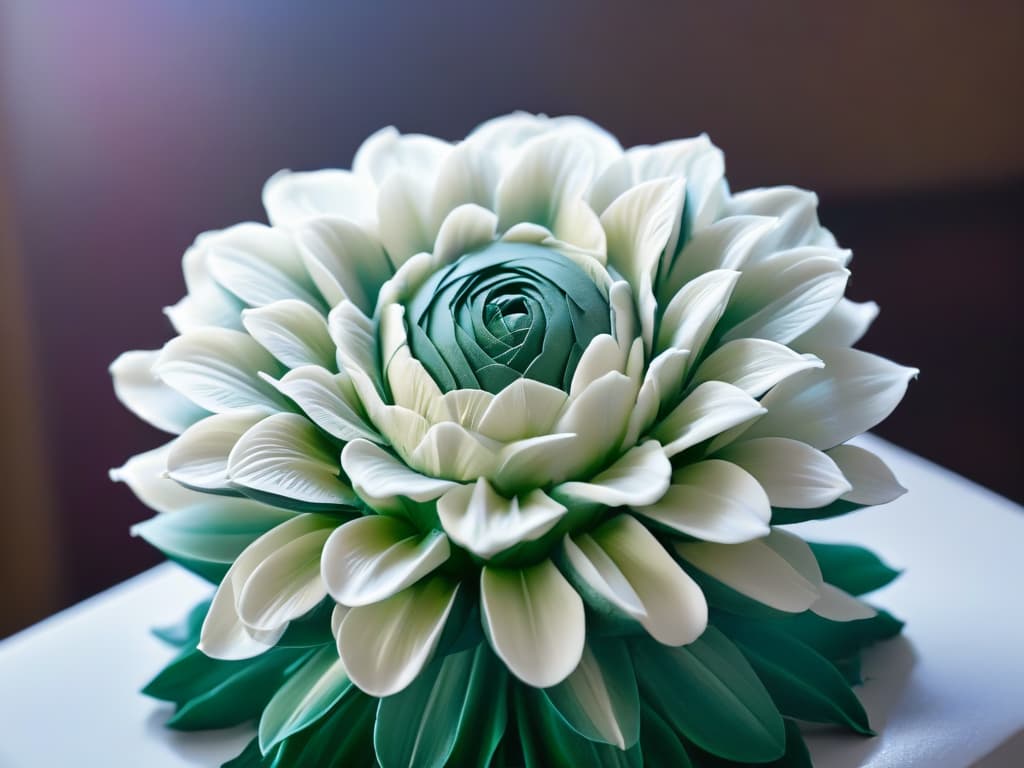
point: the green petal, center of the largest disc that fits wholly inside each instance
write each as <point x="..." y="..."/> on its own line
<point x="307" y="696"/>
<point x="710" y="694"/>
<point x="208" y="533"/>
<point x="599" y="700"/>
<point x="453" y="714"/>
<point x="851" y="568"/>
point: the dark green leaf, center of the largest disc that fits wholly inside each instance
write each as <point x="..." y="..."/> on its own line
<point x="840" y="639"/>
<point x="250" y="757"/>
<point x="453" y="713"/>
<point x="853" y="569"/>
<point x="803" y="684"/>
<point x="711" y="696"/>
<point x="785" y="516"/>
<point x="659" y="742"/>
<point x="342" y="739"/>
<point x="186" y="631"/>
<point x="796" y="755"/>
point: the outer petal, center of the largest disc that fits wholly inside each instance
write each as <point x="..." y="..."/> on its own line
<point x="344" y="261"/>
<point x="486" y="523"/>
<point x="873" y="482"/>
<point x="793" y="474"/>
<point x="640" y="476"/>
<point x="218" y="369"/>
<point x="378" y="477"/>
<point x="286" y="585"/>
<point x="778" y="570"/>
<point x="199" y="458"/>
<point x="329" y="401"/>
<point x="284" y="455"/>
<point x="141" y="391"/>
<point x="292" y="198"/>
<point x="622" y="564"/>
<point x="715" y="501"/>
<point x="695" y="310"/>
<point x="293" y="332"/>
<point x="371" y="558"/>
<point x="837" y="605"/>
<point x="385" y="645"/>
<point x="534" y="620"/>
<point x="826" y="407"/>
<point x="753" y="365"/>
<point x="710" y="409"/>
<point x="599" y="416"/>
<point x="843" y="326"/>
<point x="223" y="635"/>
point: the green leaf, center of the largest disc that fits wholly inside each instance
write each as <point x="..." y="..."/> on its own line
<point x="796" y="755"/>
<point x="208" y="533"/>
<point x="186" y="631"/>
<point x="786" y="516"/>
<point x="599" y="700"/>
<point x="306" y="697"/>
<point x="220" y="694"/>
<point x="853" y="569"/>
<point x="250" y="757"/>
<point x="547" y="742"/>
<point x="709" y="693"/>
<point x="342" y="739"/>
<point x="839" y="639"/>
<point x="803" y="684"/>
<point x="453" y="713"/>
<point x="211" y="572"/>
<point x="660" y="744"/>
<point x="311" y="630"/>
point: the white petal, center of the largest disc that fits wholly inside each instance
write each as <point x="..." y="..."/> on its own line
<point x="792" y="473"/>
<point x="344" y="261"/>
<point x="466" y="407"/>
<point x="661" y="385"/>
<point x="206" y="303"/>
<point x="411" y="386"/>
<point x="284" y="455"/>
<point x="259" y="265"/>
<point x="638" y="224"/>
<point x="385" y="645"/>
<point x="534" y="620"/>
<point x="218" y="369"/>
<point x="467" y="228"/>
<point x="826" y="407"/>
<point x="387" y="152"/>
<point x="467" y="176"/>
<point x="843" y="326"/>
<point x="486" y="523"/>
<point x="797" y="214"/>
<point x="378" y="477"/>
<point x="404" y="228"/>
<point x="550" y="170"/>
<point x="525" y="408"/>
<point x="535" y="462"/>
<point x="371" y="558"/>
<point x="602" y="355"/>
<point x="223" y="635"/>
<point x="329" y="400"/>
<point x="450" y="451"/>
<point x="695" y="310"/>
<point x="599" y="416"/>
<point x="786" y="295"/>
<point x="292" y="198"/>
<point x="293" y="332"/>
<point x="873" y="482"/>
<point x="144" y="394"/>
<point x="710" y="409"/>
<point x="622" y="564"/>
<point x="778" y="570"/>
<point x="639" y="476"/>
<point x="836" y="605"/>
<point x="286" y="585"/>
<point x="715" y="501"/>
<point x="725" y="244"/>
<point x="753" y="365"/>
<point x="146" y="475"/>
<point x="199" y="458"/>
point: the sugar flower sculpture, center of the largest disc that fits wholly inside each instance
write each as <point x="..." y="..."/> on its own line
<point x="491" y="448"/>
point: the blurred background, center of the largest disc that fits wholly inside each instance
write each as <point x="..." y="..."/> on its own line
<point x="128" y="127"/>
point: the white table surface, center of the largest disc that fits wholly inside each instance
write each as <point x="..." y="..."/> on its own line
<point x="948" y="694"/>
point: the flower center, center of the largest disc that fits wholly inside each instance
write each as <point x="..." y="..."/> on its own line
<point x="508" y="311"/>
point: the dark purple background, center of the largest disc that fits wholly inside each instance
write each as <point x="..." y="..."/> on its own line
<point x="133" y="126"/>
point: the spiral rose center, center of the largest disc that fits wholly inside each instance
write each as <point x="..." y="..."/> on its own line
<point x="508" y="311"/>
